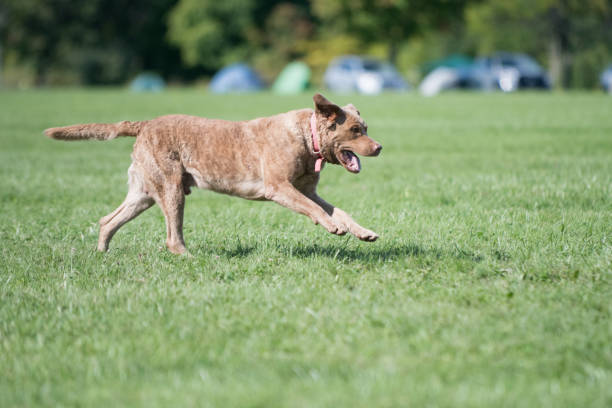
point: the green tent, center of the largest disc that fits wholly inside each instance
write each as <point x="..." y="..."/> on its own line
<point x="294" y="78"/>
<point x="452" y="61"/>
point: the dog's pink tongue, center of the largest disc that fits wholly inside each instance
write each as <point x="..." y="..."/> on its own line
<point x="354" y="164"/>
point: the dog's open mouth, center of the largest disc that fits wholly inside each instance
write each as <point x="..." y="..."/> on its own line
<point x="350" y="161"/>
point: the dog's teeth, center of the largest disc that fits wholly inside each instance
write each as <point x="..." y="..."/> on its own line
<point x="351" y="161"/>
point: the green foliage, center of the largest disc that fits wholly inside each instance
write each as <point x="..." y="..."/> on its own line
<point x="573" y="38"/>
<point x="416" y="54"/>
<point x="108" y="41"/>
<point x="94" y="42"/>
<point x="287" y="30"/>
<point x="490" y="284"/>
<point x="390" y="22"/>
<point x="212" y="33"/>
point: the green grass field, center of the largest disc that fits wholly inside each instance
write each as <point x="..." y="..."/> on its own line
<point x="490" y="284"/>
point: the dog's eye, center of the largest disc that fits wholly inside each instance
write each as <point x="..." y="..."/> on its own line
<point x="356" y="129"/>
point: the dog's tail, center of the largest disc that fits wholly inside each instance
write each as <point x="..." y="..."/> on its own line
<point x="98" y="131"/>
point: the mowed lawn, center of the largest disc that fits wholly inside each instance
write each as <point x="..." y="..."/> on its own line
<point x="489" y="286"/>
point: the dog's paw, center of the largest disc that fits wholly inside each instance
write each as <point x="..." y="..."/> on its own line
<point x="341" y="230"/>
<point x="177" y="249"/>
<point x="367" y="235"/>
<point x="336" y="229"/>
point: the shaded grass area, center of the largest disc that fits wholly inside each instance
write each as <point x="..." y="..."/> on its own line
<point x="490" y="283"/>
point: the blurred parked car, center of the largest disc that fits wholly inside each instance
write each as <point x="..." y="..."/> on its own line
<point x="362" y="74"/>
<point x="606" y="79"/>
<point x="506" y="71"/>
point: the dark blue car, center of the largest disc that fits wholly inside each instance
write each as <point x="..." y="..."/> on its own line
<point x="506" y="71"/>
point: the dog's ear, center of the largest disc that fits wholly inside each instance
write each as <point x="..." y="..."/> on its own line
<point x="352" y="107"/>
<point x="325" y="107"/>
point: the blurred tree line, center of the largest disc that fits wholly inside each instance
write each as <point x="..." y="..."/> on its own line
<point x="55" y="42"/>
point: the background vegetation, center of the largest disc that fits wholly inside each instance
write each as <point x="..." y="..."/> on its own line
<point x="51" y="42"/>
<point x="490" y="284"/>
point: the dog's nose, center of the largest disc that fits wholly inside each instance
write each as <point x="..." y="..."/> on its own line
<point x="377" y="150"/>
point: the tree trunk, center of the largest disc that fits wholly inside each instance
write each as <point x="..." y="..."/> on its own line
<point x="558" y="46"/>
<point x="392" y="52"/>
<point x="555" y="61"/>
<point x="2" y="24"/>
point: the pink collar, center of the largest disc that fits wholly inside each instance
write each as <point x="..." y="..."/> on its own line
<point x="315" y="143"/>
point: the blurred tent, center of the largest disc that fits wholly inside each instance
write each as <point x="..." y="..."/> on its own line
<point x="236" y="78"/>
<point x="444" y="73"/>
<point x="439" y="79"/>
<point x="147" y="82"/>
<point x="294" y="78"/>
<point x="456" y="61"/>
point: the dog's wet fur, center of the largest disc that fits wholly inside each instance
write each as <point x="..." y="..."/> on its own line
<point x="270" y="158"/>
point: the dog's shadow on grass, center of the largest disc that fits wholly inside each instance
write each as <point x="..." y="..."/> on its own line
<point x="344" y="252"/>
<point x="355" y="253"/>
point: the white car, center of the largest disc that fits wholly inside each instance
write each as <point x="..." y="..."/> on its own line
<point x="606" y="79"/>
<point x="362" y="74"/>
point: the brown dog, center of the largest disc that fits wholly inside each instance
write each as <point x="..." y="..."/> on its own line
<point x="273" y="158"/>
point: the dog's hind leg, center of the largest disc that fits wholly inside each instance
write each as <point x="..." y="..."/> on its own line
<point x="136" y="201"/>
<point x="172" y="202"/>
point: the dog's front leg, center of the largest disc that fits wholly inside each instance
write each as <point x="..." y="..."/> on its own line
<point x="342" y="217"/>
<point x="288" y="196"/>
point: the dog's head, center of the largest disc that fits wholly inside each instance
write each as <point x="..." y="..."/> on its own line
<point x="343" y="133"/>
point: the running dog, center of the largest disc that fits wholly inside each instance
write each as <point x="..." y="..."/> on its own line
<point x="276" y="158"/>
